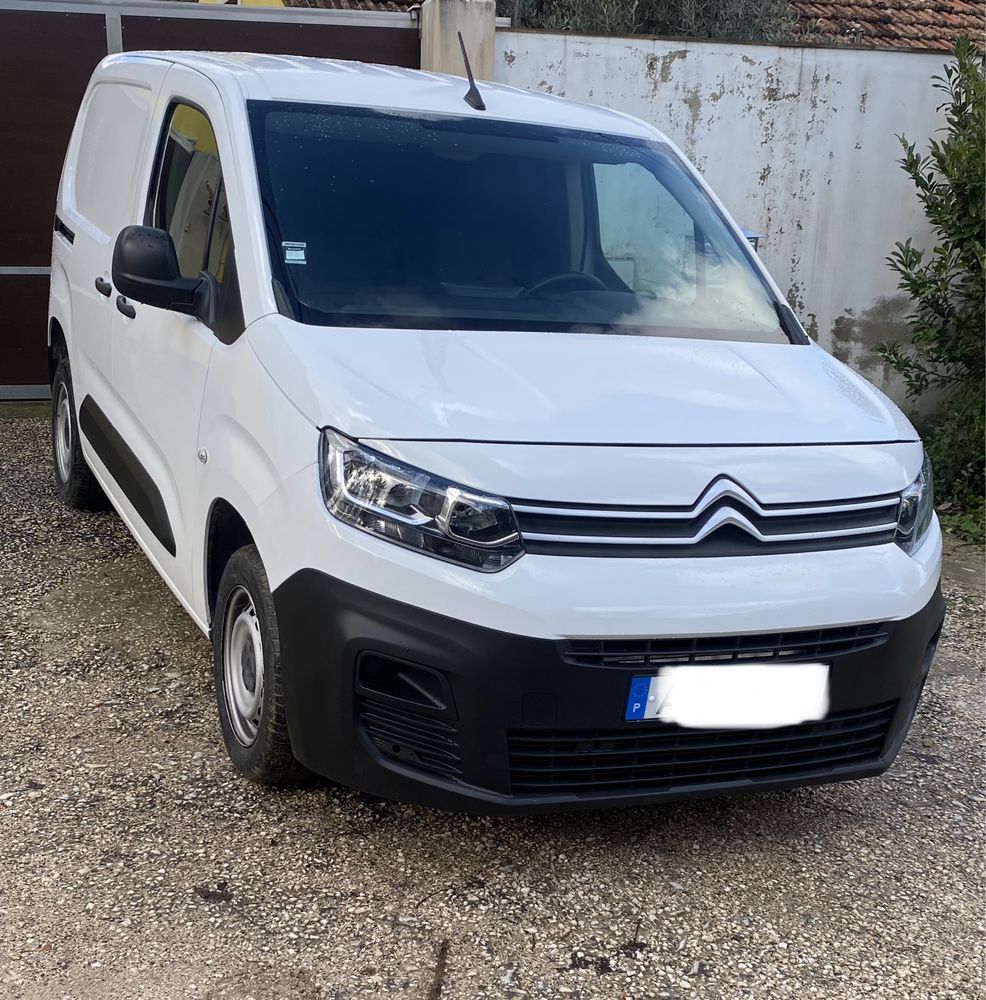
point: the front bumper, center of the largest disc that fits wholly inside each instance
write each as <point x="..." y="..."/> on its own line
<point x="403" y="703"/>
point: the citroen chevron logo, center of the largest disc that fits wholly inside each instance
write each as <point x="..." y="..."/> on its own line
<point x="722" y="488"/>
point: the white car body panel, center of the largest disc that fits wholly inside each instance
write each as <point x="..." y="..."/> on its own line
<point x="160" y="364"/>
<point x="253" y="439"/>
<point x="124" y="100"/>
<point x="571" y="388"/>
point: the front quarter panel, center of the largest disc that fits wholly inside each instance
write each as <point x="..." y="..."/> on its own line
<point x="251" y="439"/>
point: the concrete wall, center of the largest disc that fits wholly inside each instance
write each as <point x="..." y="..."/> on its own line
<point x="441" y="22"/>
<point x="798" y="142"/>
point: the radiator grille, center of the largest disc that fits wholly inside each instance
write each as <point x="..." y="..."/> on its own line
<point x="412" y="738"/>
<point x="664" y="756"/>
<point x="726" y="520"/>
<point x="816" y="644"/>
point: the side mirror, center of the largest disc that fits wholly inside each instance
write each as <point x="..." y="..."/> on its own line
<point x="145" y="269"/>
<point x="753" y="238"/>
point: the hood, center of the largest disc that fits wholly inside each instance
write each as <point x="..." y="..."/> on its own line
<point x="523" y="387"/>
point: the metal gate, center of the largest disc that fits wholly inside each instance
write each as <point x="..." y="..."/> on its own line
<point x="48" y="49"/>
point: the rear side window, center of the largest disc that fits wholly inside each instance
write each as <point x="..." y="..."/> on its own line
<point x="188" y="200"/>
<point x="113" y="135"/>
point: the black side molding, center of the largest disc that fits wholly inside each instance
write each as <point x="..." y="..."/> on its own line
<point x="64" y="230"/>
<point x="124" y="466"/>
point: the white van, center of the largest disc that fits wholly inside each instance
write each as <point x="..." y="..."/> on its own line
<point x="479" y="441"/>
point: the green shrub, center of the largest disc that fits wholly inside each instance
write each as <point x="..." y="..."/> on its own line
<point x="946" y="354"/>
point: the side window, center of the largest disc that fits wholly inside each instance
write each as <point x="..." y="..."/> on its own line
<point x="189" y="202"/>
<point x="221" y="264"/>
<point x="653" y="251"/>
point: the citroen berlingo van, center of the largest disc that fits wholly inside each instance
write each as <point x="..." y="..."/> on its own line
<point x="478" y="440"/>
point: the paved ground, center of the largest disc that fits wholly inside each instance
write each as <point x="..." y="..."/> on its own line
<point x="134" y="864"/>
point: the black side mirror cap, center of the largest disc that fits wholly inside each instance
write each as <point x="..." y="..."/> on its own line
<point x="145" y="269"/>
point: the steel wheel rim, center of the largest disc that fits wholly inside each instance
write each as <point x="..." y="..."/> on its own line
<point x="243" y="667"/>
<point x="63" y="434"/>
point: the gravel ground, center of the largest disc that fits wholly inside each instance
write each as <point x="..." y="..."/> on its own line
<point x="133" y="863"/>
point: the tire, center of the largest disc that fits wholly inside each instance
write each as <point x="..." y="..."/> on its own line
<point x="74" y="481"/>
<point x="247" y="657"/>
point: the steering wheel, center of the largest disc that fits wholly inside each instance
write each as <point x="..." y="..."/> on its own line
<point x="565" y="281"/>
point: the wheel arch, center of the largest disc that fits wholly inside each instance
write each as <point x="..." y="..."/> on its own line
<point x="226" y="531"/>
<point x="57" y="347"/>
<point x="59" y="311"/>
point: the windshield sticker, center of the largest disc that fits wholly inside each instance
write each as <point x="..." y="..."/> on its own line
<point x="294" y="253"/>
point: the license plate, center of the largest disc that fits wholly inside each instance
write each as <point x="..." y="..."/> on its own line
<point x="732" y="696"/>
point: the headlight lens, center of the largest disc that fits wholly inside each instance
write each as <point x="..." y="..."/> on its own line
<point x="917" y="504"/>
<point x="405" y="505"/>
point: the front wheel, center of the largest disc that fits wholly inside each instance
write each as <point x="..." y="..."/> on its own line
<point x="248" y="674"/>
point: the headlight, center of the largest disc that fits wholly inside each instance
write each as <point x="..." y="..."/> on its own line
<point x="385" y="497"/>
<point x="917" y="504"/>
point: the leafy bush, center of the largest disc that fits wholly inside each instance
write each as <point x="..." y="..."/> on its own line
<point x="750" y="20"/>
<point x="948" y="292"/>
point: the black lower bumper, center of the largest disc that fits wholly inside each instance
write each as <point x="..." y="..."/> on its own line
<point x="404" y="704"/>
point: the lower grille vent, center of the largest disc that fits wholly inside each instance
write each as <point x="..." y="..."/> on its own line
<point x="412" y="738"/>
<point x="817" y="644"/>
<point x="664" y="756"/>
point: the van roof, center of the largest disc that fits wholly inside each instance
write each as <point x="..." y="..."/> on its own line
<point x="334" y="81"/>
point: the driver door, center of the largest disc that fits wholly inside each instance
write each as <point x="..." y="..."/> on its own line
<point x="161" y="357"/>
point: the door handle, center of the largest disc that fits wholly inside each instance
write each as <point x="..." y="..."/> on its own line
<point x="103" y="286"/>
<point x="125" y="307"/>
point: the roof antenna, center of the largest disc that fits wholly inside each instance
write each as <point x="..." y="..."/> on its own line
<point x="472" y="97"/>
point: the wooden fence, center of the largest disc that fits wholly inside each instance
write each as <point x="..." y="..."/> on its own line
<point x="48" y="49"/>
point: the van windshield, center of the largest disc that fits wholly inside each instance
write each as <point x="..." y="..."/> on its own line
<point x="386" y="219"/>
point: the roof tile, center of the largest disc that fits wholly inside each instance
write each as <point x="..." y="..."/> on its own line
<point x="917" y="24"/>
<point x="913" y="24"/>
